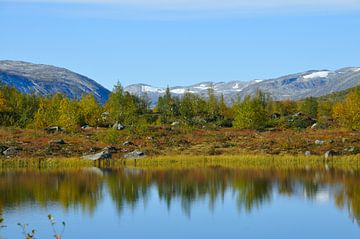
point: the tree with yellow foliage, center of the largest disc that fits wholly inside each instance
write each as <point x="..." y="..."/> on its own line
<point x="48" y="111"/>
<point x="251" y="113"/>
<point x="2" y="103"/>
<point x="69" y="114"/>
<point x="90" y="110"/>
<point x="347" y="113"/>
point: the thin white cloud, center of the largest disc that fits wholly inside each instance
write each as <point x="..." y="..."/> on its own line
<point x="212" y="4"/>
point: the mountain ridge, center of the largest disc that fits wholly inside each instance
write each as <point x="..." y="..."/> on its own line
<point x="43" y="79"/>
<point x="292" y="86"/>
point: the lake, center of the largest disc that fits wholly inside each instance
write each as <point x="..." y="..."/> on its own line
<point x="182" y="203"/>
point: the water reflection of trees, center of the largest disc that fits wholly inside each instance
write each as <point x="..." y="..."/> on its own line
<point x="251" y="188"/>
<point x="70" y="188"/>
<point x="349" y="197"/>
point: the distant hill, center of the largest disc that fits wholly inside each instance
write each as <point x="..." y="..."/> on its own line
<point x="337" y="96"/>
<point x="47" y="80"/>
<point x="295" y="86"/>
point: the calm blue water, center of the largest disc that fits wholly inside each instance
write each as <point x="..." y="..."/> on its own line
<point x="199" y="203"/>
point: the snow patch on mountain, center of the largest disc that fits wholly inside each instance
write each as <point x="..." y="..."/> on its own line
<point x="319" y="74"/>
<point x="178" y="91"/>
<point x="202" y="87"/>
<point x="147" y="88"/>
<point x="293" y="86"/>
<point x="236" y="86"/>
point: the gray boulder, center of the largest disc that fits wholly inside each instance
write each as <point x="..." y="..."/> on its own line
<point x="298" y="114"/>
<point x="101" y="155"/>
<point x="134" y="154"/>
<point x="319" y="142"/>
<point x="314" y="126"/>
<point x="275" y="116"/>
<point x="329" y="154"/>
<point x="176" y="123"/>
<point x="128" y="143"/>
<point x="110" y="149"/>
<point x="57" y="141"/>
<point x="307" y="153"/>
<point x="10" y="151"/>
<point x="54" y="129"/>
<point x="352" y="150"/>
<point x="2" y="148"/>
<point x="93" y="149"/>
<point x="86" y="127"/>
<point x="118" y="126"/>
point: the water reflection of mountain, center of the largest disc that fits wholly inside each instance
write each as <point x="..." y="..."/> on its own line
<point x="126" y="187"/>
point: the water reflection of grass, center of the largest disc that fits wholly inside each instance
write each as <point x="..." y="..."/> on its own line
<point x="45" y="163"/>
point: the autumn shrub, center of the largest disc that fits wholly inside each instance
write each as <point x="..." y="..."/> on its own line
<point x="109" y="136"/>
<point x="347" y="112"/>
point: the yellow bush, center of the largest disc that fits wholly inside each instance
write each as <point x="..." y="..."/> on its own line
<point x="347" y="113"/>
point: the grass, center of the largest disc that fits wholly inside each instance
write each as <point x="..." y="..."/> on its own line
<point x="163" y="141"/>
<point x="184" y="148"/>
<point x="248" y="161"/>
<point x="261" y="161"/>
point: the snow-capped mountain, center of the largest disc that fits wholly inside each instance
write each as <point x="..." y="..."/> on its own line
<point x="47" y="80"/>
<point x="294" y="86"/>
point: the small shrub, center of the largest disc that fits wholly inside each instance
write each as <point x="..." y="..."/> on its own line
<point x="109" y="136"/>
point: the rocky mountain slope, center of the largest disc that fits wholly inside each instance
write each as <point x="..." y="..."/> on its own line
<point x="47" y="80"/>
<point x="294" y="86"/>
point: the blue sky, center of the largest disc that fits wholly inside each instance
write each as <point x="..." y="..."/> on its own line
<point x="180" y="42"/>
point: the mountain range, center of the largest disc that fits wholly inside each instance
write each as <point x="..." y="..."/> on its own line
<point x="46" y="80"/>
<point x="295" y="86"/>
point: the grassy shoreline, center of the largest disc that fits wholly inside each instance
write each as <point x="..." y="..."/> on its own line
<point x="167" y="141"/>
<point x="262" y="161"/>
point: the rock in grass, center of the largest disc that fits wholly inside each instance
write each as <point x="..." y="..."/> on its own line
<point x="307" y="153"/>
<point x="128" y="143"/>
<point x="110" y="149"/>
<point x="10" y="151"/>
<point x="54" y="129"/>
<point x="3" y="148"/>
<point x="118" y="126"/>
<point x="57" y="141"/>
<point x="329" y="154"/>
<point x="134" y="154"/>
<point x="176" y="123"/>
<point x="101" y="155"/>
<point x="319" y="142"/>
<point x="86" y="127"/>
<point x="314" y="126"/>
